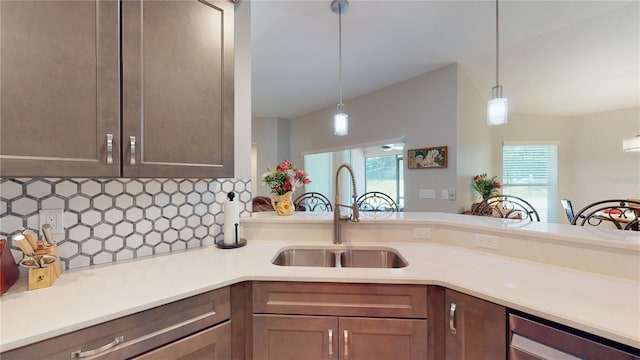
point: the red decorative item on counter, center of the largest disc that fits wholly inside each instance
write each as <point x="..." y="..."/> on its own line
<point x="10" y="272"/>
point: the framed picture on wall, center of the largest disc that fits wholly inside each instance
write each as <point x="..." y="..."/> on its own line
<point x="428" y="158"/>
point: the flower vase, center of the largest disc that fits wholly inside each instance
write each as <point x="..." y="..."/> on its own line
<point x="283" y="204"/>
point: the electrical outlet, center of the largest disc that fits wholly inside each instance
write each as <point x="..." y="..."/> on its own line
<point x="53" y="217"/>
<point x="422" y="233"/>
<point x="487" y="241"/>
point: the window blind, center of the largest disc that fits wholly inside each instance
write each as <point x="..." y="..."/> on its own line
<point x="531" y="172"/>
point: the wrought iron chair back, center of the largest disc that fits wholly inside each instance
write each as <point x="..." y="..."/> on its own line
<point x="506" y="207"/>
<point x="376" y="201"/>
<point x="568" y="209"/>
<point x="623" y="214"/>
<point x="312" y="201"/>
<point x="261" y="203"/>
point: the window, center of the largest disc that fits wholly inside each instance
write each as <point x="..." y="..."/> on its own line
<point x="531" y="172"/>
<point x="385" y="174"/>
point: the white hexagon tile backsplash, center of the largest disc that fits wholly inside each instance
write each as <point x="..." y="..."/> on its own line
<point x="108" y="220"/>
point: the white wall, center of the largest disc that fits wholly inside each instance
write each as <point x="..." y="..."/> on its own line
<point x="242" y="89"/>
<point x="271" y="137"/>
<point x="601" y="170"/>
<point x="473" y="138"/>
<point x="422" y="109"/>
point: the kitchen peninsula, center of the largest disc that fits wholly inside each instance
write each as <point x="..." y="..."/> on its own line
<point x="583" y="278"/>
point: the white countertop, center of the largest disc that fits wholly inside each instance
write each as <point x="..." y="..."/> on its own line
<point x="603" y="305"/>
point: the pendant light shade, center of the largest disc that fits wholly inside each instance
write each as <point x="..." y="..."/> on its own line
<point x="341" y="122"/>
<point x="632" y="144"/>
<point x="341" y="118"/>
<point x="498" y="106"/>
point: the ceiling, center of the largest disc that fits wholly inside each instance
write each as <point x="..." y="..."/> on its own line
<point x="556" y="57"/>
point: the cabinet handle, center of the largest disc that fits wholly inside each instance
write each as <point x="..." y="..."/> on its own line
<point x="132" y="141"/>
<point x="346" y="343"/>
<point x="81" y="354"/>
<point x="452" y="318"/>
<point x="330" y="342"/>
<point x="109" y="149"/>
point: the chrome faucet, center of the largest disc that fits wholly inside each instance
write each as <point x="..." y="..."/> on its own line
<point x="355" y="214"/>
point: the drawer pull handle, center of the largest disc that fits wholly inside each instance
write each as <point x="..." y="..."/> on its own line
<point x="330" y="343"/>
<point x="452" y="318"/>
<point x="132" y="141"/>
<point x="81" y="354"/>
<point x="109" y="149"/>
<point x="346" y="344"/>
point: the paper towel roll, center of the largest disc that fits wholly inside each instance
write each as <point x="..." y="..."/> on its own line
<point x="231" y="211"/>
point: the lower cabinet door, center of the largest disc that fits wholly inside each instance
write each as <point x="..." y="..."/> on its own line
<point x="295" y="337"/>
<point x="382" y="339"/>
<point x="475" y="329"/>
<point x="210" y="344"/>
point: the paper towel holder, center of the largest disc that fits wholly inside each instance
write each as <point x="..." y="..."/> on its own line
<point x="239" y="242"/>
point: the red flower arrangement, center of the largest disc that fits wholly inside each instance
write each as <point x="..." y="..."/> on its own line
<point x="486" y="186"/>
<point x="286" y="177"/>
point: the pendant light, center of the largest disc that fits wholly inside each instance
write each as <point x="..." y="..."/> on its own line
<point x="498" y="106"/>
<point x="341" y="118"/>
<point x="631" y="144"/>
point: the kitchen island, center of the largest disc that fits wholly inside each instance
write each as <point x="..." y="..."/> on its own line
<point x="584" y="278"/>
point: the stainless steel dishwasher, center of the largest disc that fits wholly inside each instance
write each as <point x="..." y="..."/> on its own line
<point x="536" y="339"/>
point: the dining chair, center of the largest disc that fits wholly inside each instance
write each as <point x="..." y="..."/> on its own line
<point x="261" y="203"/>
<point x="622" y="214"/>
<point x="506" y="207"/>
<point x="312" y="201"/>
<point x="568" y="209"/>
<point x="376" y="201"/>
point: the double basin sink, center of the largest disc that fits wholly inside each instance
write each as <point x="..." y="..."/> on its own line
<point x="377" y="257"/>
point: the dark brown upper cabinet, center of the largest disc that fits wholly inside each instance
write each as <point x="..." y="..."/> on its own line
<point x="107" y="88"/>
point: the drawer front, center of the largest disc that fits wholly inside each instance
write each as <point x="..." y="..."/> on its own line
<point x="213" y="343"/>
<point x="371" y="300"/>
<point x="140" y="332"/>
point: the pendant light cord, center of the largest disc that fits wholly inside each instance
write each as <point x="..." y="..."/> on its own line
<point x="340" y="52"/>
<point x="497" y="47"/>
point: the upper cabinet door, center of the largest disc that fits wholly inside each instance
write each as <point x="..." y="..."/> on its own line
<point x="59" y="88"/>
<point x="177" y="94"/>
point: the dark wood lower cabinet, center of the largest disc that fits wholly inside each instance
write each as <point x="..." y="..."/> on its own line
<point x="463" y="327"/>
<point x="474" y="328"/>
<point x="294" y="337"/>
<point x="369" y="338"/>
<point x="200" y="322"/>
<point x="339" y="321"/>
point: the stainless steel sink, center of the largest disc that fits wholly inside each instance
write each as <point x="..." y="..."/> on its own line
<point x="380" y="258"/>
<point x="371" y="258"/>
<point x="306" y="257"/>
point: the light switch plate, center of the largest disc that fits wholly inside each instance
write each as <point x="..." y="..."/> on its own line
<point x="445" y="194"/>
<point x="427" y="193"/>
